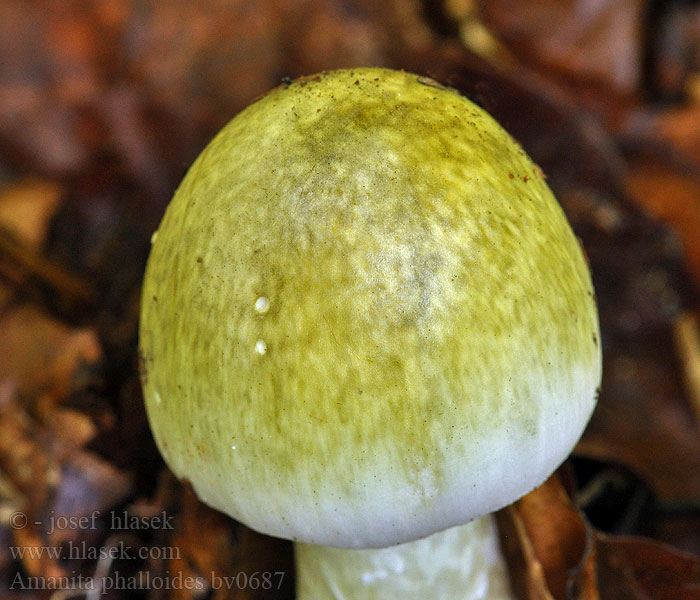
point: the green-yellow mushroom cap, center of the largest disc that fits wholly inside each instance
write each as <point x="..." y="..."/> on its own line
<point x="364" y="316"/>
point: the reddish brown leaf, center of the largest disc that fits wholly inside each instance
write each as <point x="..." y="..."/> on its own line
<point x="641" y="569"/>
<point x="673" y="197"/>
<point x="595" y="41"/>
<point x="549" y="546"/>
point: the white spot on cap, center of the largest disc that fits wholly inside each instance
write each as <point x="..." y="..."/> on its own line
<point x="154" y="235"/>
<point x="262" y="305"/>
<point x="156" y="397"/>
<point x="260" y="347"/>
<point x="233" y="447"/>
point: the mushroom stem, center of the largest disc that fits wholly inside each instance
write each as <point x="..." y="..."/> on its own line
<point x="460" y="562"/>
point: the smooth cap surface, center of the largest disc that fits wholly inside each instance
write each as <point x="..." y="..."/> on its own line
<point x="365" y="317"/>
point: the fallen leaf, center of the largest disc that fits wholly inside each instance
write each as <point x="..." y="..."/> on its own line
<point x="32" y="470"/>
<point x="26" y="210"/>
<point x="206" y="542"/>
<point x="554" y="553"/>
<point x="680" y="128"/>
<point x="643" y="421"/>
<point x="672" y="196"/>
<point x="640" y="569"/>
<point x="24" y="456"/>
<point x="549" y="546"/>
<point x="220" y="556"/>
<point x="600" y="42"/>
<point x="45" y="354"/>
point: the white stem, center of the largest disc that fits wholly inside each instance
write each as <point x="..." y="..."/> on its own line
<point x="463" y="562"/>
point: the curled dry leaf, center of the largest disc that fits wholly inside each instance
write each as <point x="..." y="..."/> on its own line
<point x="555" y="554"/>
<point x="549" y="546"/>
<point x="18" y="262"/>
<point x="639" y="569"/>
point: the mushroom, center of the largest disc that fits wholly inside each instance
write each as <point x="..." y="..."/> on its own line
<point x="366" y="325"/>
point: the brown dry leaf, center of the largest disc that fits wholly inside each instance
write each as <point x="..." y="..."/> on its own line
<point x="218" y="553"/>
<point x="41" y="453"/>
<point x="53" y="476"/>
<point x="45" y="354"/>
<point x="681" y="129"/>
<point x="26" y="210"/>
<point x="643" y="422"/>
<point x="24" y="458"/>
<point x="555" y="554"/>
<point x="35" y="562"/>
<point x="641" y="569"/>
<point x="206" y="544"/>
<point x="672" y="196"/>
<point x="74" y="428"/>
<point x="549" y="546"/>
<point x="18" y="262"/>
<point x="597" y="42"/>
